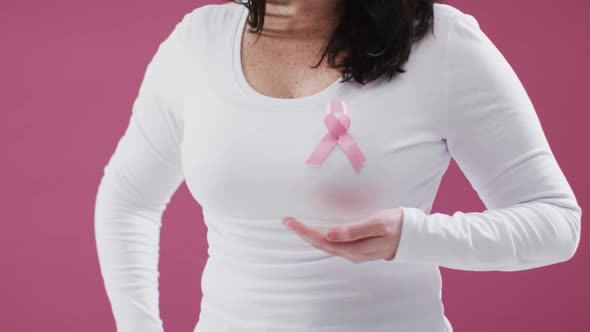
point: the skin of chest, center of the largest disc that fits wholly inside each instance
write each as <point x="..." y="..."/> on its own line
<point x="282" y="68"/>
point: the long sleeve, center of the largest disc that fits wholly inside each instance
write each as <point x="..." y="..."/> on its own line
<point x="137" y="184"/>
<point x="532" y="218"/>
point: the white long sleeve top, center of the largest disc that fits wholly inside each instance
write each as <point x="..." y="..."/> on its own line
<point x="242" y="155"/>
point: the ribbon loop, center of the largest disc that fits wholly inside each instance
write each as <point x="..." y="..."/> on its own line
<point x="337" y="134"/>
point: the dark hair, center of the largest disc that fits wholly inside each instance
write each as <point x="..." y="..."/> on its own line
<point x="373" y="37"/>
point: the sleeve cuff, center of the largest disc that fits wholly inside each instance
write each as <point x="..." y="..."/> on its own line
<point x="412" y="219"/>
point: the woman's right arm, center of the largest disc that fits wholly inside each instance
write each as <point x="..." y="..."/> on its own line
<point x="138" y="181"/>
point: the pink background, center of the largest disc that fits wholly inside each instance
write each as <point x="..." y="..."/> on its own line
<point x="68" y="76"/>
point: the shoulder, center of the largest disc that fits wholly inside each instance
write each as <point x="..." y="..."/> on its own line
<point x="445" y="11"/>
<point x="463" y="37"/>
<point x="203" y="22"/>
<point x="199" y="25"/>
<point x="429" y="52"/>
<point x="198" y="33"/>
<point x="448" y="17"/>
<point x="211" y="14"/>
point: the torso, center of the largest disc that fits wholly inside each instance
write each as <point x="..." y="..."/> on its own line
<point x="244" y="160"/>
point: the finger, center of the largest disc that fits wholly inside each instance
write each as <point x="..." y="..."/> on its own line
<point x="363" y="247"/>
<point x="357" y="251"/>
<point x="308" y="233"/>
<point x="357" y="231"/>
<point x="323" y="248"/>
<point x="353" y="249"/>
<point x="316" y="238"/>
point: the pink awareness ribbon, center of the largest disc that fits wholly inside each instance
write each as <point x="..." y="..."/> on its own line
<point x="337" y="134"/>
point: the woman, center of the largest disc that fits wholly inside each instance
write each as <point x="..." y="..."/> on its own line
<point x="357" y="144"/>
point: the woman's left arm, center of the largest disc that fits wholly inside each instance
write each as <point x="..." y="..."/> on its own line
<point x="494" y="135"/>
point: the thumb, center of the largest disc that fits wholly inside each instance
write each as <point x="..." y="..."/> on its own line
<point x="368" y="227"/>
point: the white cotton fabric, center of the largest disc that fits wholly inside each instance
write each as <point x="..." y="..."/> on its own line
<point x="242" y="154"/>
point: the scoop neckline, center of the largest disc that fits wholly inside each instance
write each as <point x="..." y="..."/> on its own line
<point x="318" y="98"/>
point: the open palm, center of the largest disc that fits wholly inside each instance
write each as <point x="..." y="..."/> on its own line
<point x="373" y="237"/>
